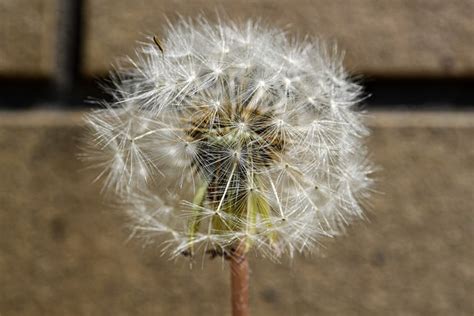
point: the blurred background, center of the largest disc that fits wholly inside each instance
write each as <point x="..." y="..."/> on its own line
<point x="64" y="251"/>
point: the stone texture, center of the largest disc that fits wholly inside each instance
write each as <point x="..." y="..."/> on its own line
<point x="63" y="251"/>
<point x="386" y="38"/>
<point x="27" y="32"/>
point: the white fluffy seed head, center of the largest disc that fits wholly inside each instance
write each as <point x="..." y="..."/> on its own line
<point x="228" y="134"/>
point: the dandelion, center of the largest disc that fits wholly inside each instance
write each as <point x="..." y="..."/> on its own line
<point x="230" y="138"/>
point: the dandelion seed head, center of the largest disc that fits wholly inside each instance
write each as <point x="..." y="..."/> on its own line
<point x="233" y="133"/>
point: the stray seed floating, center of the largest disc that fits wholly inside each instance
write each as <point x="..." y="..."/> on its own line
<point x="158" y="44"/>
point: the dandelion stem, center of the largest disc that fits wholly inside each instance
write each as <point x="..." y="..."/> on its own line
<point x="239" y="275"/>
<point x="193" y="225"/>
<point x="251" y="219"/>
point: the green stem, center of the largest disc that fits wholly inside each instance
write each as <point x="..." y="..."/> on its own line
<point x="194" y="223"/>
<point x="252" y="209"/>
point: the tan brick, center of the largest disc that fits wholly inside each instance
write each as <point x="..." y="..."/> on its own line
<point x="387" y="38"/>
<point x="63" y="251"/>
<point x="27" y="33"/>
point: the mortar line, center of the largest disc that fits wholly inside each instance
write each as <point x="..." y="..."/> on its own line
<point x="68" y="50"/>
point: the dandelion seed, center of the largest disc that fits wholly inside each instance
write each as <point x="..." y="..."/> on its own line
<point x="226" y="134"/>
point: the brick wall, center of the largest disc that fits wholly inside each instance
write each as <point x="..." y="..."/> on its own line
<point x="382" y="38"/>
